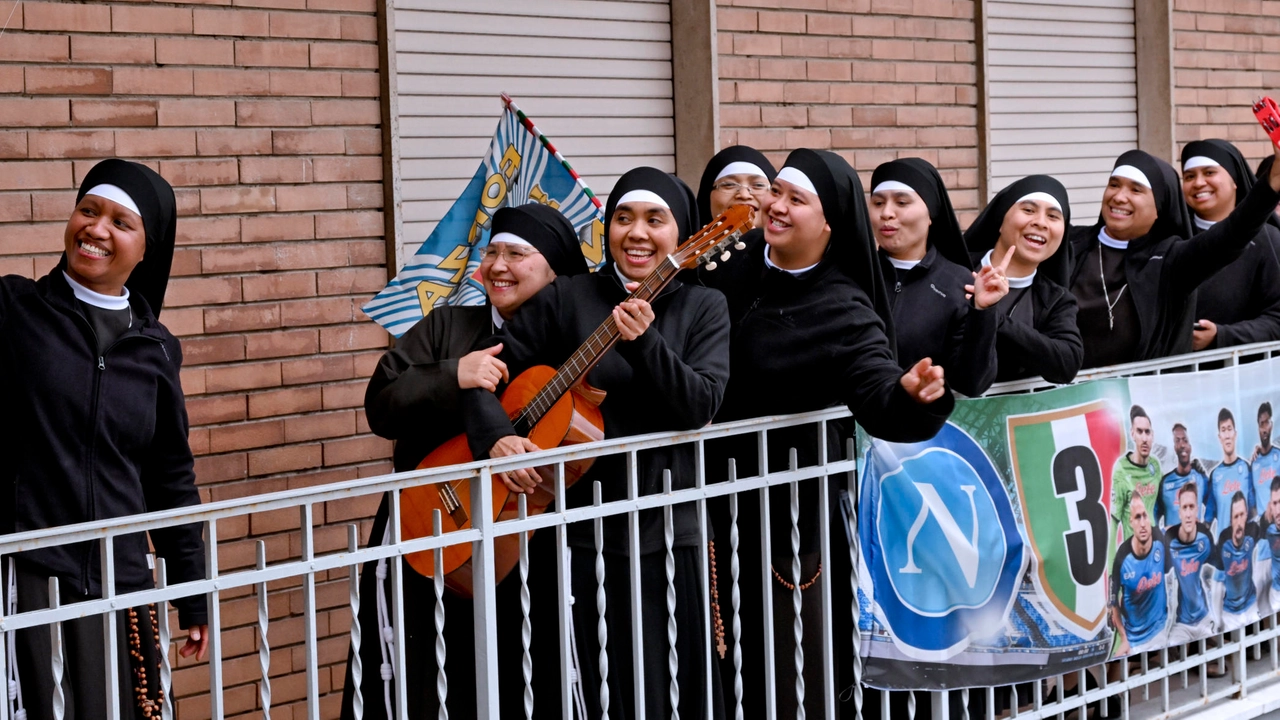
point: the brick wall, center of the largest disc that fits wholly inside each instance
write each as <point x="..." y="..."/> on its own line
<point x="1224" y="56"/>
<point x="265" y="118"/>
<point x="870" y="79"/>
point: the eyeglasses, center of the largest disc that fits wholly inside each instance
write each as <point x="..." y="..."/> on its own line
<point x="731" y="187"/>
<point x="512" y="255"/>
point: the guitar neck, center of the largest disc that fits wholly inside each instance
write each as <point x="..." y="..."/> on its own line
<point x="589" y="352"/>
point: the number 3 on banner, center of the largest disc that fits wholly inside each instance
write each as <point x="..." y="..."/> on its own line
<point x="1076" y="473"/>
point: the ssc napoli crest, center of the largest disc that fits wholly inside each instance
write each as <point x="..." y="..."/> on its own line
<point x="939" y="542"/>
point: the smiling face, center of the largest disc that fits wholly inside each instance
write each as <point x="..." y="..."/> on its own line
<point x="741" y="189"/>
<point x="641" y="235"/>
<point x="797" y="230"/>
<point x="1034" y="228"/>
<point x="901" y="223"/>
<point x="512" y="274"/>
<point x="1210" y="192"/>
<point x="104" y="242"/>
<point x="1128" y="209"/>
<point x="1182" y="447"/>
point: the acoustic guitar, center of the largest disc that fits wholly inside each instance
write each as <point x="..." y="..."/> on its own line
<point x="553" y="408"/>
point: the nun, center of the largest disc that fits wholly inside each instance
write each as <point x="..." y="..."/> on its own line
<point x="1241" y="303"/>
<point x="95" y="427"/>
<point x="667" y="373"/>
<point x="1135" y="271"/>
<point x="1023" y="227"/>
<point x="412" y="399"/>
<point x="812" y="328"/>
<point x="737" y="175"/>
<point x="936" y="312"/>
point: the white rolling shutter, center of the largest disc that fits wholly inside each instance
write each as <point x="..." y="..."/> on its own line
<point x="594" y="75"/>
<point x="1062" y="93"/>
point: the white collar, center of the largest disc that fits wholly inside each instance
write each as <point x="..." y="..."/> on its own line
<point x="902" y="264"/>
<point x="1014" y="282"/>
<point x="769" y="264"/>
<point x="497" y="317"/>
<point x="1111" y="242"/>
<point x="1201" y="222"/>
<point x="96" y="299"/>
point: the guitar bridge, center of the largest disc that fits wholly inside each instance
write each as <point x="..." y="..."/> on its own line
<point x="452" y="505"/>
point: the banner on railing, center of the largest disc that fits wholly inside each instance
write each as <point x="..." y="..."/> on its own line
<point x="1046" y="532"/>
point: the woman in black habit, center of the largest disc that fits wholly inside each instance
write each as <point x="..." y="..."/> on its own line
<point x="1036" y="332"/>
<point x="737" y="175"/>
<point x="412" y="398"/>
<point x="668" y="372"/>
<point x="923" y="255"/>
<point x="1241" y="303"/>
<point x="95" y="427"/>
<point x="812" y="328"/>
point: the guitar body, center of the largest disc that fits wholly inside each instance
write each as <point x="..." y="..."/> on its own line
<point x="574" y="418"/>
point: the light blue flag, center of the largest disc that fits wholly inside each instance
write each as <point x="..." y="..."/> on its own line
<point x="521" y="166"/>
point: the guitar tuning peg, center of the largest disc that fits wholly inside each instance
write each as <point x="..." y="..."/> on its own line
<point x="739" y="246"/>
<point x="711" y="265"/>
<point x="724" y="256"/>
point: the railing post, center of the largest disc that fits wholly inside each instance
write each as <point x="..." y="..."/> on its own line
<point x="309" y="612"/>
<point x="486" y="609"/>
<point x="110" y="628"/>
<point x="213" y="604"/>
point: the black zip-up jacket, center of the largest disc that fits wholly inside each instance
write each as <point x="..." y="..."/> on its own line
<point x="1243" y="299"/>
<point x="1050" y="347"/>
<point x="1163" y="274"/>
<point x="933" y="319"/>
<point x="91" y="437"/>
<point x="670" y="378"/>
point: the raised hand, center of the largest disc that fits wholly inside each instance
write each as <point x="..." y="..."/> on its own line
<point x="990" y="284"/>
<point x="482" y="369"/>
<point x="924" y="382"/>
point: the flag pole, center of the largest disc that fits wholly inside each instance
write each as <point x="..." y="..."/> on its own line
<point x="510" y="104"/>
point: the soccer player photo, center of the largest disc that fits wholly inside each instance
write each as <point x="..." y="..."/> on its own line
<point x="1136" y="475"/>
<point x="1237" y="565"/>
<point x="1168" y="507"/>
<point x="1272" y="536"/>
<point x="1190" y="545"/>
<point x="1228" y="478"/>
<point x="1139" y="596"/>
<point x="1263" y="465"/>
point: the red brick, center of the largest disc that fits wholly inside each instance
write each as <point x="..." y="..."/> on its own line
<point x="15" y="207"/>
<point x="288" y="401"/>
<point x="279" y="286"/>
<point x="357" y="449"/>
<point x="257" y="113"/>
<point x="214" y="349"/>
<point x="183" y="322"/>
<point x="21" y="47"/>
<point x="186" y="262"/>
<point x="36" y="175"/>
<point x="13" y="144"/>
<point x="285" y="459"/>
<point x="207" y="230"/>
<point x="113" y="49"/>
<point x="363" y="141"/>
<point x="241" y="317"/>
<point x="361" y="56"/>
<point x="12" y="79"/>
<point x="316" y="426"/>
<point x="239" y="141"/>
<point x="155" y="143"/>
<point x="151" y="20"/>
<point x="68" y="81"/>
<point x="311" y="255"/>
<point x="202" y="291"/>
<point x="352" y="337"/>
<point x="253" y="53"/>
<point x="288" y="343"/>
<point x="360" y="84"/>
<point x="245" y="436"/>
<point x="311" y="83"/>
<point x="367" y="252"/>
<point x="308" y="142"/>
<point x="194" y="51"/>
<point x="351" y="281"/>
<point x="344" y="395"/>
<point x="365" y="196"/>
<point x="11" y="10"/>
<point x="305" y="25"/>
<point x="59" y="144"/>
<point x="195" y="112"/>
<point x="215" y="201"/>
<point x="277" y="227"/>
<point x="242" y="376"/>
<point x="230" y="23"/>
<point x="55" y="205"/>
<point x="275" y="170"/>
<point x="219" y="469"/>
<point x="311" y="197"/>
<point x="27" y="112"/>
<point x="152" y="81"/>
<point x="355" y="27"/>
<point x="65" y="16"/>
<point x="237" y="259"/>
<point x="231" y="82"/>
<point x="108" y="113"/>
<point x="346" y="112"/>
<point x="317" y="370"/>
<point x="16" y="266"/>
<point x="348" y="169"/>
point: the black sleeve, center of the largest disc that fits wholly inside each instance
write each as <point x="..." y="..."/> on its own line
<point x="169" y="481"/>
<point x="971" y="361"/>
<point x="693" y="385"/>
<point x="527" y="339"/>
<point x="1053" y="351"/>
<point x="1158" y="510"/>
<point x="1196" y="259"/>
<point x="411" y="377"/>
<point x="1117" y="566"/>
<point x="868" y="384"/>
<point x="1266" y="300"/>
<point x="1215" y="557"/>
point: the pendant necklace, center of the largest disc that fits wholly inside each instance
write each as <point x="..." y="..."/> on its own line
<point x="1102" y="275"/>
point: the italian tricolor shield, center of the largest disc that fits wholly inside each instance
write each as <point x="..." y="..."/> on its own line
<point x="1062" y="462"/>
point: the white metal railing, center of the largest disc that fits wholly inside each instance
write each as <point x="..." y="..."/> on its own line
<point x="1177" y="694"/>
